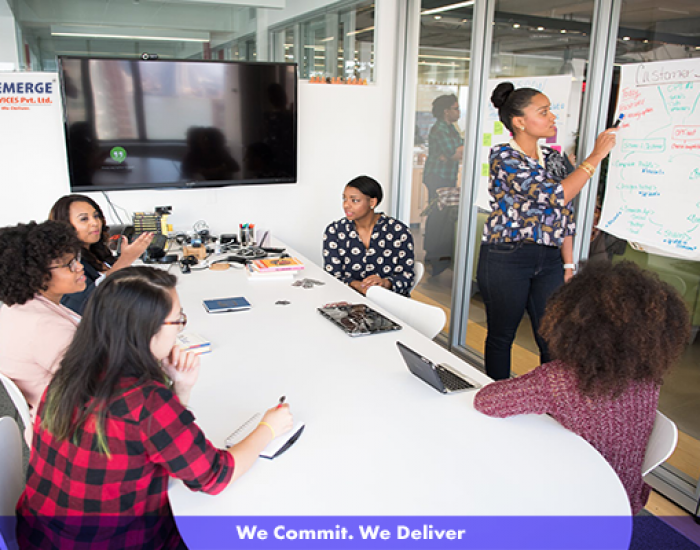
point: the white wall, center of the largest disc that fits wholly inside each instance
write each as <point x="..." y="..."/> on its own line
<point x="344" y="131"/>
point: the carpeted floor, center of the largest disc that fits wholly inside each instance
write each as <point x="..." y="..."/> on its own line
<point x="652" y="533"/>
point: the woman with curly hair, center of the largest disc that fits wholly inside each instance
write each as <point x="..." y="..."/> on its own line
<point x="39" y="263"/>
<point x="86" y="217"/>
<point x="615" y="331"/>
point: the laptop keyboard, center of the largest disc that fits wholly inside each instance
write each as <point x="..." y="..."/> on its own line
<point x="451" y="381"/>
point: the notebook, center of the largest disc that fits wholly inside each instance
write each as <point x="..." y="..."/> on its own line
<point x="226" y="304"/>
<point x="442" y="377"/>
<point x="276" y="447"/>
<point x="358" y="319"/>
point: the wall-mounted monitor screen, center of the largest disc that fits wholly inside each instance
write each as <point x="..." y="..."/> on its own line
<point x="144" y="124"/>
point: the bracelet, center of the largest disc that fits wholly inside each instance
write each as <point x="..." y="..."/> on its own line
<point x="570" y="266"/>
<point x="274" y="435"/>
<point x="588" y="168"/>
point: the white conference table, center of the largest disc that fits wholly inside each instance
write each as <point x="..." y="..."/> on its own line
<point x="378" y="441"/>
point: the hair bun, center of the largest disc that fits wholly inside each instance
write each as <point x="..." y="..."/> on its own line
<point x="501" y="93"/>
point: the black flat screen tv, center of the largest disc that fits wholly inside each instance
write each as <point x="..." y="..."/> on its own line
<point x="149" y="124"/>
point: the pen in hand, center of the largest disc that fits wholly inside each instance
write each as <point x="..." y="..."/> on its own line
<point x="619" y="120"/>
<point x="282" y="399"/>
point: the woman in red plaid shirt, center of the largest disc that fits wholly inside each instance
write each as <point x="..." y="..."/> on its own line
<point x="112" y="427"/>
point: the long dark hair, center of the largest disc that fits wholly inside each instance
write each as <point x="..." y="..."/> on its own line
<point x="511" y="102"/>
<point x="97" y="253"/>
<point x="614" y="324"/>
<point x="113" y="341"/>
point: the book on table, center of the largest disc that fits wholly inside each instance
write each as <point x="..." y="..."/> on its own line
<point x="190" y="341"/>
<point x="277" y="264"/>
<point x="255" y="275"/>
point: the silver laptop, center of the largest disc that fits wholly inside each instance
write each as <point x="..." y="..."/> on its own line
<point x="442" y="377"/>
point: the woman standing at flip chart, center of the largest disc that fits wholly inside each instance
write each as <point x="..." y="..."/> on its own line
<point x="527" y="245"/>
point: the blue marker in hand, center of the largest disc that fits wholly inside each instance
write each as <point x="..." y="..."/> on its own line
<point x="619" y="120"/>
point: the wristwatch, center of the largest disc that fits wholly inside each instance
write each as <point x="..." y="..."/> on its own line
<point x="570" y="266"/>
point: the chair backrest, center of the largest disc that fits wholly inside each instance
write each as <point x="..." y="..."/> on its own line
<point x="11" y="479"/>
<point x="418" y="271"/>
<point x="662" y="442"/>
<point x="18" y="399"/>
<point x="426" y="319"/>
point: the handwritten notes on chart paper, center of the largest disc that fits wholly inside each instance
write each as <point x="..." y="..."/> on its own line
<point x="652" y="193"/>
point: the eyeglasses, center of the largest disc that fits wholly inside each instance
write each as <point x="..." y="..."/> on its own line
<point x="74" y="265"/>
<point x="182" y="321"/>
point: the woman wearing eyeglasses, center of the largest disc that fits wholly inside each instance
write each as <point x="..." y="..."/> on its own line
<point x="88" y="220"/>
<point x="113" y="427"/>
<point x="39" y="263"/>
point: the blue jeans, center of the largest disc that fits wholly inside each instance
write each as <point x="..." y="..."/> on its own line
<point x="514" y="277"/>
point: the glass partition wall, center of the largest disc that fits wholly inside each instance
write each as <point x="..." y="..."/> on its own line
<point x="572" y="52"/>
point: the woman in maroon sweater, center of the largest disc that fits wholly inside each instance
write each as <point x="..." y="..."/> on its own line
<point x="615" y="332"/>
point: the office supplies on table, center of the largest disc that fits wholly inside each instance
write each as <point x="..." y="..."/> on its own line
<point x="222" y="305"/>
<point x="442" y="377"/>
<point x="358" y="319"/>
<point x="276" y="447"/>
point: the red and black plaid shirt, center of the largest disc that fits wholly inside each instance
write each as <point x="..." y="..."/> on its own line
<point x="77" y="497"/>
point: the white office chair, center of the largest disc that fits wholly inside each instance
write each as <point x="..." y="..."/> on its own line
<point x="662" y="442"/>
<point x="418" y="271"/>
<point x="20" y="404"/>
<point x="11" y="480"/>
<point x="426" y="319"/>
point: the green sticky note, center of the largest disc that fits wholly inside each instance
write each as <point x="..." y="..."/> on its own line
<point x="498" y="127"/>
<point x="118" y="154"/>
<point x="487" y="140"/>
<point x="485" y="170"/>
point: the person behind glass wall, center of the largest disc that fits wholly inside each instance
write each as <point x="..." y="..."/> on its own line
<point x="86" y="217"/>
<point x="113" y="427"/>
<point x="39" y="263"/>
<point x="615" y="331"/>
<point x="367" y="248"/>
<point x="527" y="245"/>
<point x="445" y="148"/>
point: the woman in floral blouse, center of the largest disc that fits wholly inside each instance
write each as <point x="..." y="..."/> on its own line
<point x="527" y="248"/>
<point x="367" y="248"/>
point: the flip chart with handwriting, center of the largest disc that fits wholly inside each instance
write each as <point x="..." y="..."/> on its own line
<point x="652" y="194"/>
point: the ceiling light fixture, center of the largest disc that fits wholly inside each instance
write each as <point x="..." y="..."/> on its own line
<point x="437" y="17"/>
<point x="123" y="33"/>
<point x="516" y="25"/>
<point x="540" y="28"/>
<point x="448" y="8"/>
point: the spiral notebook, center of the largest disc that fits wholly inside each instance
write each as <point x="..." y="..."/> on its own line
<point x="276" y="447"/>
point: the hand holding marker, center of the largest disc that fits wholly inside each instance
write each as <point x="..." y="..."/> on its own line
<point x="619" y="120"/>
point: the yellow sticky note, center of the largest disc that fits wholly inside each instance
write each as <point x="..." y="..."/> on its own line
<point x="487" y="140"/>
<point x="498" y="127"/>
<point x="485" y="170"/>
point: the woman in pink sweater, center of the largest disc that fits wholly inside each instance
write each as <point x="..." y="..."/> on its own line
<point x="615" y="331"/>
<point x="39" y="263"/>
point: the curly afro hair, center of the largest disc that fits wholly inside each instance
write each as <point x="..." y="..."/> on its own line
<point x="613" y="324"/>
<point x="27" y="252"/>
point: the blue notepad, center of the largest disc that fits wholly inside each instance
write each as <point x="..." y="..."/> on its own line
<point x="226" y="304"/>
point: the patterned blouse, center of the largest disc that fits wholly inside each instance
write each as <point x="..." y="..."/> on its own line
<point x="78" y="497"/>
<point x="390" y="253"/>
<point x="527" y="199"/>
